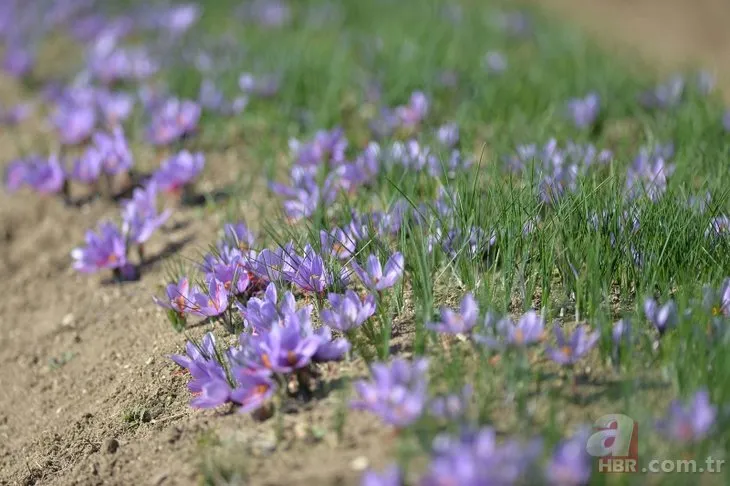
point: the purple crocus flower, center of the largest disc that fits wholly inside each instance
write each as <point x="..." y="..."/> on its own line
<point x="717" y="302"/>
<point x="705" y="82"/>
<point x="570" y="464"/>
<point x="104" y="250"/>
<point x="415" y="111"/>
<point x="234" y="277"/>
<point x="397" y="393"/>
<point x="46" y="176"/>
<point x="180" y="18"/>
<point x="530" y="329"/>
<point x="269" y="264"/>
<point x="448" y="135"/>
<point x="452" y="406"/>
<point x="179" y="297"/>
<point x="665" y="95"/>
<point x="648" y="175"/>
<point x="584" y="111"/>
<point x="690" y="423"/>
<point x="262" y="86"/>
<point x="16" y="114"/>
<point x="18" y="61"/>
<point x="209" y="379"/>
<point x="348" y="311"/>
<point x="620" y="336"/>
<point x="211" y="302"/>
<point x="726" y="120"/>
<point x="495" y="62"/>
<point x="329" y="349"/>
<point x="719" y="226"/>
<point x="239" y="236"/>
<point x="16" y="175"/>
<point x="325" y="147"/>
<point x="461" y="322"/>
<point x="663" y="317"/>
<point x="140" y="214"/>
<point x="287" y="347"/>
<point x="375" y="277"/>
<point x="87" y="168"/>
<point x="173" y="120"/>
<point x="391" y="476"/>
<point x="179" y="170"/>
<point x="309" y="272"/>
<point x="337" y="243"/>
<point x="475" y="458"/>
<point x="113" y="151"/>
<point x="74" y="122"/>
<point x="114" y="107"/>
<point x="262" y="314"/>
<point x="253" y="390"/>
<point x="572" y="349"/>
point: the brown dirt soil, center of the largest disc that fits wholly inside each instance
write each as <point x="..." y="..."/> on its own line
<point x="670" y="34"/>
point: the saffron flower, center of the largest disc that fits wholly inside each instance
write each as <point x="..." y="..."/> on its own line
<point x="309" y="272"/>
<point x="377" y="278"/>
<point x="45" y="176"/>
<point x="717" y="302"/>
<point x="74" y="121"/>
<point x="391" y="476"/>
<point x="570" y="464"/>
<point x="452" y="406"/>
<point x="211" y="302"/>
<point x="235" y="279"/>
<point x="114" y="107"/>
<point x="252" y="390"/>
<point x="620" y="335"/>
<point x="475" y="458"/>
<point x="173" y="120"/>
<point x="663" y="317"/>
<point x="719" y="227"/>
<point x="15" y="175"/>
<point x="649" y="175"/>
<point x="179" y="171"/>
<point x="495" y="62"/>
<point x="691" y="422"/>
<point x="262" y="86"/>
<point x="326" y="147"/>
<point x="571" y="349"/>
<point x="448" y="135"/>
<point x="529" y="329"/>
<point x="337" y="243"/>
<point x="106" y="249"/>
<point x="87" y="168"/>
<point x="18" y="61"/>
<point x="414" y="112"/>
<point x="139" y="214"/>
<point x="179" y="297"/>
<point x="261" y="315"/>
<point x="209" y="379"/>
<point x="665" y="95"/>
<point x="113" y="151"/>
<point x="584" y="111"/>
<point x="285" y="348"/>
<point x="329" y="349"/>
<point x="238" y="235"/>
<point x="398" y="392"/>
<point x="349" y="311"/>
<point x="461" y="322"/>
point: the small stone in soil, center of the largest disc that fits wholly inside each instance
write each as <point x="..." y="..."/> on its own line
<point x="111" y="446"/>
